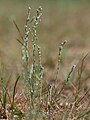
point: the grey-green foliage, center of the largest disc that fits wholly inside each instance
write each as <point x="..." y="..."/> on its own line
<point x="32" y="73"/>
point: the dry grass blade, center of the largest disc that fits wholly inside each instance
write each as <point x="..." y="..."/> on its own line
<point x="18" y="29"/>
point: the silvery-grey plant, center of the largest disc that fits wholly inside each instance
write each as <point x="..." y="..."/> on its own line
<point x="32" y="74"/>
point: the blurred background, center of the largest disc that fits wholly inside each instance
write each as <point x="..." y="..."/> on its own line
<point x="61" y="20"/>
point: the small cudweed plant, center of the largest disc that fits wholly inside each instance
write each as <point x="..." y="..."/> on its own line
<point x="32" y="76"/>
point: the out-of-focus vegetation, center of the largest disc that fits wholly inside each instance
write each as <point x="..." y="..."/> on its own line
<point x="61" y="19"/>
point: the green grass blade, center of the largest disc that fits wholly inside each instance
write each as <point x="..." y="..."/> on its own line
<point x="14" y="90"/>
